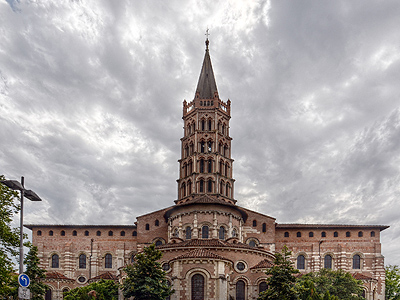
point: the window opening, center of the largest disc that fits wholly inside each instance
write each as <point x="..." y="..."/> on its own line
<point x="82" y="261"/>
<point x="204" y="232"/>
<point x="108" y="261"/>
<point x="328" y="262"/>
<point x="301" y="262"/>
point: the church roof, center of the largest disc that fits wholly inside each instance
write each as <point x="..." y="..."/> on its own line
<point x="331" y="226"/>
<point x="57" y="275"/>
<point x="106" y="275"/>
<point x="200" y="253"/>
<point x="206" y="87"/>
<point x="207" y="243"/>
<point x="264" y="264"/>
<point x="206" y="199"/>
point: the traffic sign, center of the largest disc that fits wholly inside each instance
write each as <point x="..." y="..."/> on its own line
<point x="24" y="293"/>
<point x="24" y="280"/>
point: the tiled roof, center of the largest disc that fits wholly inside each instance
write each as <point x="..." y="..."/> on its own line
<point x="30" y="226"/>
<point x="57" y="275"/>
<point x="107" y="276"/>
<point x="194" y="243"/>
<point x="206" y="199"/>
<point x="316" y="226"/>
<point x="200" y="253"/>
<point x="360" y="276"/>
<point x="264" y="264"/>
<point x="206" y="85"/>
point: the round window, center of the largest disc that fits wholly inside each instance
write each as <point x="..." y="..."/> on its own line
<point x="240" y="266"/>
<point x="81" y="279"/>
<point x="165" y="267"/>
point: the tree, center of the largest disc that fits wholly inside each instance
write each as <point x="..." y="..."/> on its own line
<point x="281" y="283"/>
<point x="392" y="291"/>
<point x="9" y="237"/>
<point x="101" y="290"/>
<point x="338" y="283"/>
<point x="35" y="273"/>
<point x="145" y="278"/>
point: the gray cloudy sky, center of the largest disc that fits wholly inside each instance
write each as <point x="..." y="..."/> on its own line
<point x="91" y="103"/>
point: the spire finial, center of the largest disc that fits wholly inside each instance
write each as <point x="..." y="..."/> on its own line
<point x="207" y="42"/>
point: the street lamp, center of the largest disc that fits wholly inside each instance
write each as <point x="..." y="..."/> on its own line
<point x="31" y="195"/>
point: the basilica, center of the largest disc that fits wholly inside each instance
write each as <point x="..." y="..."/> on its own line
<point x="213" y="249"/>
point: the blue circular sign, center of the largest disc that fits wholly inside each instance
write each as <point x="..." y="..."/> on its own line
<point x="24" y="280"/>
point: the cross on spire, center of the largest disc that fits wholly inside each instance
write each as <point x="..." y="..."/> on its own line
<point x="207" y="42"/>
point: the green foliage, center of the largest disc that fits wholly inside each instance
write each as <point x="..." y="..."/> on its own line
<point x="35" y="273"/>
<point x="307" y="291"/>
<point x="104" y="290"/>
<point x="392" y="291"/>
<point x="337" y="283"/>
<point x="9" y="237"/>
<point x="281" y="283"/>
<point x="145" y="278"/>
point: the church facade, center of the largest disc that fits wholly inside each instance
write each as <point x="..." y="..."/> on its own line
<point x="212" y="248"/>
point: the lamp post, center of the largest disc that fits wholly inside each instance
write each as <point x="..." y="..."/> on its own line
<point x="31" y="195"/>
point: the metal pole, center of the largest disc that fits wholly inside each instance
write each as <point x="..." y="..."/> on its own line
<point x="21" y="233"/>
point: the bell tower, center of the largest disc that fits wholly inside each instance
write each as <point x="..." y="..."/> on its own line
<point x="206" y="163"/>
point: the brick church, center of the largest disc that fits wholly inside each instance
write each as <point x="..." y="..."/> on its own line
<point x="212" y="248"/>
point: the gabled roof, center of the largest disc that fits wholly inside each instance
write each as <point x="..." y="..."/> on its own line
<point x="57" y="275"/>
<point x="200" y="253"/>
<point x="106" y="276"/>
<point x="206" y="87"/>
<point x="264" y="264"/>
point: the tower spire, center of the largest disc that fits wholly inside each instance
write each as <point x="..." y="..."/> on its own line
<point x="206" y="87"/>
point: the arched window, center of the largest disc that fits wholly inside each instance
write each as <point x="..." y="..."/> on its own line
<point x="209" y="166"/>
<point x="39" y="232"/>
<point x="298" y="234"/>
<point x="328" y="262"/>
<point x="226" y="154"/>
<point x="356" y="262"/>
<point x="262" y="287"/>
<point x="110" y="233"/>
<point x="201" y="186"/>
<point x="311" y="234"/>
<point x="360" y="234"/>
<point x="108" y="261"/>
<point x="226" y="169"/>
<point x="323" y="234"/>
<point x="209" y="146"/>
<point x="55" y="261"/>
<point x="186" y="151"/>
<point x="286" y="234"/>
<point x="134" y="233"/>
<point x="122" y="233"/>
<point x="74" y="233"/>
<point x="254" y="223"/>
<point x="62" y="233"/>
<point x="183" y="190"/>
<point x="159" y="243"/>
<point x="197" y="287"/>
<point x="335" y="234"/>
<point x="86" y="233"/>
<point x="227" y="189"/>
<point x="203" y="125"/>
<point x="48" y="295"/>
<point x="98" y="233"/>
<point x="82" y="261"/>
<point x="189" y="187"/>
<point x="204" y="232"/>
<point x="201" y="165"/>
<point x="209" y="125"/>
<point x="221" y="233"/>
<point x="147" y="227"/>
<point x="240" y="290"/>
<point x="221" y="187"/>
<point x="188" y="233"/>
<point x="301" y="262"/>
<point x="372" y="233"/>
<point x="202" y="146"/>
<point x="347" y="233"/>
<point x="264" y="227"/>
<point x="221" y="167"/>
<point x="157" y="223"/>
<point x="209" y="185"/>
<point x="234" y="233"/>
<point x="223" y="129"/>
